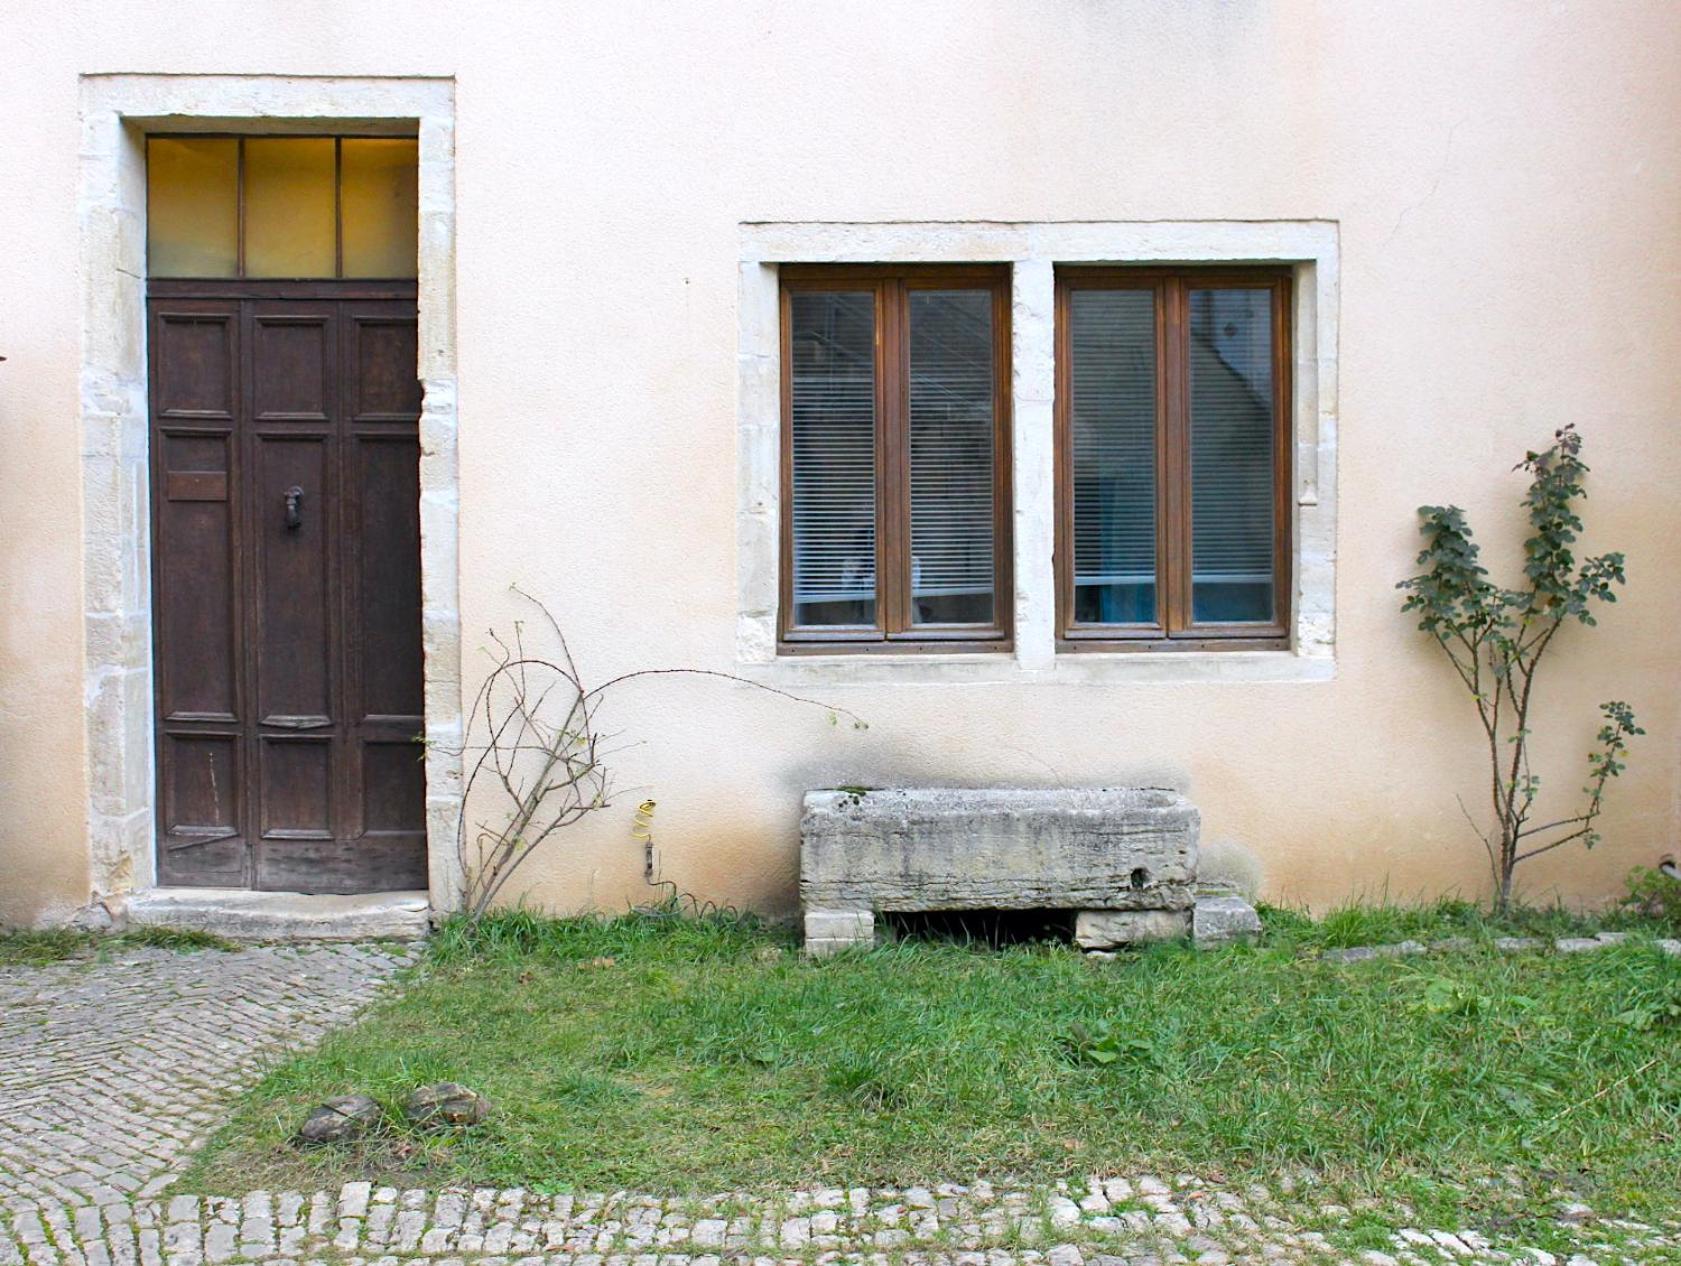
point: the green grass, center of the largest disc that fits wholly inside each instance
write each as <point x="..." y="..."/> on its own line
<point x="706" y="1055"/>
<point x="34" y="949"/>
<point x="1382" y="923"/>
<point x="178" y="939"/>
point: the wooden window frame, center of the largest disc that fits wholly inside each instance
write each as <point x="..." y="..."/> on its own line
<point x="893" y="631"/>
<point x="1175" y="629"/>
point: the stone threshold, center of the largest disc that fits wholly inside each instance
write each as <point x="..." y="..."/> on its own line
<point x="241" y="914"/>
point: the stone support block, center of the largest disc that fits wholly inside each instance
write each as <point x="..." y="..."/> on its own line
<point x="830" y="931"/>
<point x="1106" y="929"/>
<point x="1221" y="920"/>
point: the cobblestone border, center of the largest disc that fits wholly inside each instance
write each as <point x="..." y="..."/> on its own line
<point x="1505" y="944"/>
<point x="1144" y="1221"/>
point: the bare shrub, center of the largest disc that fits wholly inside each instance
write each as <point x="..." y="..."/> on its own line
<point x="534" y="735"/>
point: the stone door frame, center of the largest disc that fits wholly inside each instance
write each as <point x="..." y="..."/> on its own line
<point x="117" y="112"/>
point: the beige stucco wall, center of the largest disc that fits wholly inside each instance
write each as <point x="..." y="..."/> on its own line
<point x="1507" y="190"/>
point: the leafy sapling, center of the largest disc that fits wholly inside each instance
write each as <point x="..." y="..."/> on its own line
<point x="1496" y="639"/>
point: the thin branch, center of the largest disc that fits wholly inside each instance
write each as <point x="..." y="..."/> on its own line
<point x="1488" y="846"/>
<point x="1547" y="848"/>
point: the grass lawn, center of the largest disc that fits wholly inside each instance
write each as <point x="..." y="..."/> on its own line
<point x="705" y="1055"/>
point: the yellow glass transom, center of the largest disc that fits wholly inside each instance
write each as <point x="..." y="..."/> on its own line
<point x="303" y="207"/>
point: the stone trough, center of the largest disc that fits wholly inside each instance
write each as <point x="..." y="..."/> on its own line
<point x="1123" y="860"/>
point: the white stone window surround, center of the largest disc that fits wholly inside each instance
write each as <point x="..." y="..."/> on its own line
<point x="117" y="112"/>
<point x="1034" y="251"/>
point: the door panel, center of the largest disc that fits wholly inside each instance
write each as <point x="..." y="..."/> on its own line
<point x="297" y="796"/>
<point x="381" y="373"/>
<point x="199" y="648"/>
<point x="286" y="543"/>
<point x="387" y="495"/>
<point x="292" y="369"/>
<point x="195" y="360"/>
<point x="201" y="840"/>
<point x="382" y="584"/>
<point x="198" y="676"/>
<point x="394" y="790"/>
<point x="292" y="528"/>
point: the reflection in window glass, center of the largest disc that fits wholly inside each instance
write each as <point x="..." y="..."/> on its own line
<point x="1231" y="371"/>
<point x="192" y="206"/>
<point x="289" y="217"/>
<point x="951" y="451"/>
<point x="833" y="419"/>
<point x="1113" y="390"/>
<point x="379" y="206"/>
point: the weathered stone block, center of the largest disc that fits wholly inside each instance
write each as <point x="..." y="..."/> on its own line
<point x="830" y="931"/>
<point x="1220" y="920"/>
<point x="961" y="849"/>
<point x="1105" y="929"/>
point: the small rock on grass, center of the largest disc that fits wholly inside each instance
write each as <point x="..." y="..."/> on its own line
<point x="1577" y="944"/>
<point x="339" y="1120"/>
<point x="446" y="1103"/>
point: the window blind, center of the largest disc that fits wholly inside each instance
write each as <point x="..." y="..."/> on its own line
<point x="1113" y="388"/>
<point x="1231" y="380"/>
<point x="951" y="454"/>
<point x="834" y="457"/>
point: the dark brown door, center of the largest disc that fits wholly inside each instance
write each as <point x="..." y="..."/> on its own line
<point x="286" y="586"/>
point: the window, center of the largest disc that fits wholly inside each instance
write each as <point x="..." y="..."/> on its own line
<point x="282" y="206"/>
<point x="895" y="470"/>
<point x="1173" y="458"/>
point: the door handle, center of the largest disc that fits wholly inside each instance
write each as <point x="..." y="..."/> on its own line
<point x="294" y="500"/>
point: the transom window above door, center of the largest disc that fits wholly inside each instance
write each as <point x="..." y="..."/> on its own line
<point x="305" y="207"/>
<point x="895" y="473"/>
<point x="1173" y="458"/>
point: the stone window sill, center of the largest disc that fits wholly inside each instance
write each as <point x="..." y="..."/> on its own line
<point x="1088" y="668"/>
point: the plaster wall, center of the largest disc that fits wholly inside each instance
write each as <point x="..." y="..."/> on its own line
<point x="1506" y="193"/>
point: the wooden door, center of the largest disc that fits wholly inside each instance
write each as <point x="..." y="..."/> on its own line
<point x="286" y="587"/>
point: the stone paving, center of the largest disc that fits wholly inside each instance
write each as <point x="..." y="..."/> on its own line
<point x="112" y="1069"/>
<point x="1107" y="1222"/>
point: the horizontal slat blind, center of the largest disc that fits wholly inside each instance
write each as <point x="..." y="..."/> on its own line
<point x="1113" y="386"/>
<point x="952" y="432"/>
<point x="1231" y="378"/>
<point x="834" y="457"/>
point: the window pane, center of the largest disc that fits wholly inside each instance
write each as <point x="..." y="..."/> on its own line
<point x="1113" y="346"/>
<point x="192" y="206"/>
<point x="289" y="221"/>
<point x="379" y="207"/>
<point x="834" y="442"/>
<point x="1231" y="455"/>
<point x="951" y="443"/>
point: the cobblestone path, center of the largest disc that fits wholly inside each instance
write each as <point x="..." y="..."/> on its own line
<point x="112" y="1068"/>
